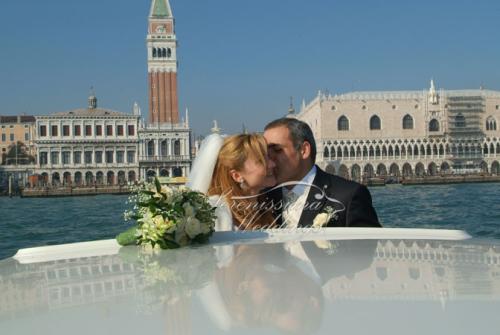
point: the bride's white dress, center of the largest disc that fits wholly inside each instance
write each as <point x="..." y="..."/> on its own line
<point x="201" y="176"/>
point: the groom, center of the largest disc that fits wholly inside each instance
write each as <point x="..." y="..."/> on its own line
<point x="312" y="195"/>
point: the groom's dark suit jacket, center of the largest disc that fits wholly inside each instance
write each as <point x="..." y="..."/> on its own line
<point x="351" y="200"/>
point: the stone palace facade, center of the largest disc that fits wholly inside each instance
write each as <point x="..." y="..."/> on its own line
<point x="406" y="133"/>
<point x="88" y="146"/>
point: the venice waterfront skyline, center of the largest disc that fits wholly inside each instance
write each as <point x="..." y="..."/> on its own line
<point x="240" y="59"/>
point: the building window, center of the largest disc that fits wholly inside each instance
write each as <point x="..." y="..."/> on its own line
<point x="54" y="131"/>
<point x="131" y="130"/>
<point x="109" y="157"/>
<point x="54" y="157"/>
<point x="43" y="131"/>
<point x="26" y="137"/>
<point x="375" y="123"/>
<point x="98" y="157"/>
<point x="343" y="123"/>
<point x="77" y="130"/>
<point x="177" y="147"/>
<point x="88" y="157"/>
<point x="66" y="157"/>
<point x="120" y="156"/>
<point x="88" y="130"/>
<point x="43" y="158"/>
<point x="407" y="122"/>
<point x="459" y="121"/>
<point x="12" y="137"/>
<point x="130" y="156"/>
<point x="119" y="130"/>
<point x="4" y="137"/>
<point x="109" y="130"/>
<point x="434" y="125"/>
<point x="98" y="130"/>
<point x="77" y="157"/>
<point x="491" y="124"/>
<point x="65" y="130"/>
<point x="151" y="148"/>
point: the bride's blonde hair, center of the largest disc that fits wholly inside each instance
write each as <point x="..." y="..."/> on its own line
<point x="233" y="154"/>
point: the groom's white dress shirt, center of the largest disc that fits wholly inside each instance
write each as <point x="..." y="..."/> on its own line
<point x="295" y="199"/>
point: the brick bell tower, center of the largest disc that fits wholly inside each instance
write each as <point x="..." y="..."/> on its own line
<point x="162" y="64"/>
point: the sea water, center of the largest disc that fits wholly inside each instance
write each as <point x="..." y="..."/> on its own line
<point x="47" y="221"/>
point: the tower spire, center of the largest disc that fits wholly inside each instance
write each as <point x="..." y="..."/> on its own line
<point x="160" y="8"/>
<point x="162" y="65"/>
<point x="291" y="109"/>
<point x="433" y="96"/>
<point x="215" y="129"/>
<point x="92" y="99"/>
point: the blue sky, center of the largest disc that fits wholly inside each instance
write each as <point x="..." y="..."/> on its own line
<point x="240" y="61"/>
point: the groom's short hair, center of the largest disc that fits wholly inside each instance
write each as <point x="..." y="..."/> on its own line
<point x="300" y="132"/>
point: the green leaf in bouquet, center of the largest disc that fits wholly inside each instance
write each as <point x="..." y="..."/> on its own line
<point x="158" y="185"/>
<point x="169" y="244"/>
<point x="148" y="192"/>
<point x="128" y="237"/>
<point x="201" y="239"/>
<point x="152" y="209"/>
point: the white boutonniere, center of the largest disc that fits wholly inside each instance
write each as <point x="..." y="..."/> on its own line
<point x="324" y="217"/>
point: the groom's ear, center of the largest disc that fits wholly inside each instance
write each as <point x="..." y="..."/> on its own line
<point x="305" y="150"/>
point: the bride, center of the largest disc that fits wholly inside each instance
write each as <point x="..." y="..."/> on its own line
<point x="233" y="171"/>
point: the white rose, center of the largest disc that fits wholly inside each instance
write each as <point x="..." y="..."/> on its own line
<point x="167" y="191"/>
<point x="158" y="220"/>
<point x="188" y="209"/>
<point x="193" y="227"/>
<point x="320" y="220"/>
<point x="147" y="218"/>
<point x="205" y="228"/>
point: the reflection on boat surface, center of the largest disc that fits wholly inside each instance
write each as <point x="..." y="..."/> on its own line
<point x="346" y="286"/>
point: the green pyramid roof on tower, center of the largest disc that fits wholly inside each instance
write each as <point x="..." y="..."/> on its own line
<point x="161" y="8"/>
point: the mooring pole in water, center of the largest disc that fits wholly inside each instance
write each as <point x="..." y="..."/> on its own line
<point x="10" y="186"/>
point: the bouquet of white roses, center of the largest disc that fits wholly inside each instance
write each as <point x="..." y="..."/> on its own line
<point x="168" y="217"/>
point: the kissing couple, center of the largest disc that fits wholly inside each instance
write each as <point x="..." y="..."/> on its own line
<point x="271" y="181"/>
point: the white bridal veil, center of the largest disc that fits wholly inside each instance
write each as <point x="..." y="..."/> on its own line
<point x="204" y="164"/>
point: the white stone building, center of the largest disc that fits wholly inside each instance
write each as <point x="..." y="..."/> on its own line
<point x="406" y="133"/>
<point x="89" y="146"/>
<point x="165" y="150"/>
